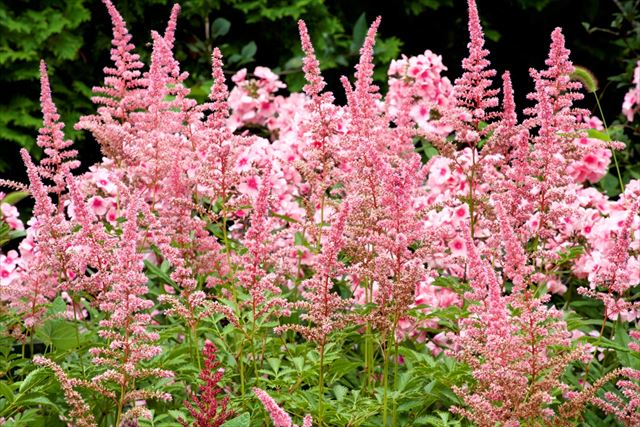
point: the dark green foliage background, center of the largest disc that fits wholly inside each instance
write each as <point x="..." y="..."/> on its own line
<point x="73" y="37"/>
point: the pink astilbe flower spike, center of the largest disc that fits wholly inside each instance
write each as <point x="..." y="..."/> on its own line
<point x="259" y="241"/>
<point x="206" y="407"/>
<point x="43" y="206"/>
<point x="126" y="328"/>
<point x="117" y="98"/>
<point x="515" y="260"/>
<point x="278" y="415"/>
<point x="556" y="85"/>
<point x="614" y="275"/>
<point x="517" y="349"/>
<point x="311" y="66"/>
<point x="506" y="129"/>
<point x="218" y="95"/>
<point x="80" y="413"/>
<point x="38" y="282"/>
<point x="58" y="156"/>
<point x="472" y="90"/>
<point x="170" y="31"/>
<point x="325" y="310"/>
<point x="365" y="92"/>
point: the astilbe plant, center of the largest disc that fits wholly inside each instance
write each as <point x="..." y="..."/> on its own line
<point x="207" y="409"/>
<point x="297" y="232"/>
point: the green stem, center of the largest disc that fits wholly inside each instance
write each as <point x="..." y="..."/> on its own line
<point x="321" y="388"/>
<point x="396" y="354"/>
<point x="193" y="342"/>
<point x="77" y="325"/>
<point x="241" y="365"/>
<point x="31" y="341"/>
<point x="385" y="382"/>
<point x="613" y="152"/>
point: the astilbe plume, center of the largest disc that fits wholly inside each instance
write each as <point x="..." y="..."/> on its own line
<point x="539" y="193"/>
<point x="80" y="413"/>
<point x="319" y="135"/>
<point x="58" y="155"/>
<point x="123" y="81"/>
<point x="516" y="347"/>
<point x="278" y="415"/>
<point x="625" y="402"/>
<point x="121" y="94"/>
<point x="38" y="280"/>
<point x="472" y="91"/>
<point x="126" y="327"/>
<point x="616" y="275"/>
<point x="207" y="409"/>
<point x="257" y="274"/>
<point x="382" y="178"/>
<point x="326" y="311"/>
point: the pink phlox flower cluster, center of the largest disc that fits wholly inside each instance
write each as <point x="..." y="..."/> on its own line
<point x="253" y="100"/>
<point x="609" y="265"/>
<point x="594" y="163"/>
<point x="10" y="215"/>
<point x="419" y="77"/>
<point x="9" y="267"/>
<point x="631" y="102"/>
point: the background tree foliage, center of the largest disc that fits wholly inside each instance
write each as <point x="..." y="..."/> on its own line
<point x="73" y="36"/>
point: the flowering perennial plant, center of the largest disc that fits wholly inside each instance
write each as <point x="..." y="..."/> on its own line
<point x="424" y="256"/>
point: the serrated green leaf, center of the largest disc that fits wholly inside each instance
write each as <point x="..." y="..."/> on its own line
<point x="59" y="333"/>
<point x="6" y="391"/>
<point x="35" y="378"/>
<point x="242" y="420"/>
<point x="340" y="392"/>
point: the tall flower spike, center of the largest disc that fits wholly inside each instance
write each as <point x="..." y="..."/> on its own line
<point x="43" y="206"/>
<point x="219" y="93"/>
<point x="515" y="259"/>
<point x="122" y="78"/>
<point x="555" y="84"/>
<point x="365" y="91"/>
<point x="472" y="90"/>
<point x="504" y="138"/>
<point x="58" y="156"/>
<point x="170" y="32"/>
<point x="311" y="66"/>
<point x="279" y="417"/>
<point x="509" y="115"/>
